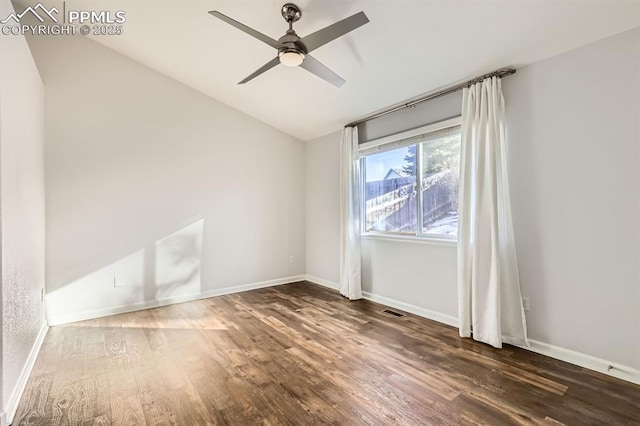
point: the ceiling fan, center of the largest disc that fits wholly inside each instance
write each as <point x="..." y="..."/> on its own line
<point x="293" y="50"/>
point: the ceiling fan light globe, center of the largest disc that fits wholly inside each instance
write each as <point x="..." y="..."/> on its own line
<point x="291" y="58"/>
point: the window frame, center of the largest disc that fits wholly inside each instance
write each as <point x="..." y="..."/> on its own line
<point x="395" y="141"/>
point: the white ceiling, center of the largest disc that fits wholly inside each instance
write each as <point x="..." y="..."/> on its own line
<point x="410" y="47"/>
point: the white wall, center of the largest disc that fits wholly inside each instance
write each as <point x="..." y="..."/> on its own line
<point x="322" y="169"/>
<point x="574" y="132"/>
<point x="419" y="274"/>
<point x="169" y="191"/>
<point x="21" y="212"/>
<point x="574" y="137"/>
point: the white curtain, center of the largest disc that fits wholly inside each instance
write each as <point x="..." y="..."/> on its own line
<point x="350" y="278"/>
<point x="489" y="300"/>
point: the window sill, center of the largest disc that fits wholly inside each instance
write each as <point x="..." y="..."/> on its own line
<point x="409" y="239"/>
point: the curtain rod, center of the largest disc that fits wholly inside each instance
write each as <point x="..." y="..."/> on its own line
<point x="503" y="72"/>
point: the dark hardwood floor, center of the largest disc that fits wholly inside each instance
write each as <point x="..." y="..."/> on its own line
<point x="300" y="354"/>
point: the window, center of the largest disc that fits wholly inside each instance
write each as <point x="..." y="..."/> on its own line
<point x="410" y="182"/>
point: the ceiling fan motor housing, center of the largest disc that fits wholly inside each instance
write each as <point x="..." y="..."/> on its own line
<point x="291" y="43"/>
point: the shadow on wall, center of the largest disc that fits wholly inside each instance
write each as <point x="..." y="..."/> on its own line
<point x="167" y="268"/>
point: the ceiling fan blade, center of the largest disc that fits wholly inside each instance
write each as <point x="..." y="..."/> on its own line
<point x="332" y="32"/>
<point x="272" y="63"/>
<point x="265" y="39"/>
<point x="313" y="66"/>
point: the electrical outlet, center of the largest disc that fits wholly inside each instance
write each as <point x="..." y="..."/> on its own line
<point x="42" y="294"/>
<point x="117" y="283"/>
<point x="292" y="259"/>
<point x="525" y="303"/>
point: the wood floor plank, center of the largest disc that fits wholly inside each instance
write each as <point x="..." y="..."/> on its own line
<point x="155" y="401"/>
<point x="302" y="354"/>
<point x="33" y="409"/>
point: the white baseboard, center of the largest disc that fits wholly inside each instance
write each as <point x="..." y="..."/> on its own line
<point x="600" y="365"/>
<point x="322" y="282"/>
<point x="412" y="309"/>
<point x="253" y="286"/>
<point x="99" y="313"/>
<point x="580" y="359"/>
<point x="12" y="405"/>
<point x="416" y="310"/>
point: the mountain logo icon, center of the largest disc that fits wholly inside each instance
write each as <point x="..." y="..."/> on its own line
<point x="38" y="11"/>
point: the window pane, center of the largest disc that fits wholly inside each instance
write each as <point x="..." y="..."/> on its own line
<point x="441" y="173"/>
<point x="390" y="191"/>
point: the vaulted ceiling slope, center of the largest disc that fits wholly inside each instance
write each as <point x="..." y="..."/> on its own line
<point x="408" y="48"/>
